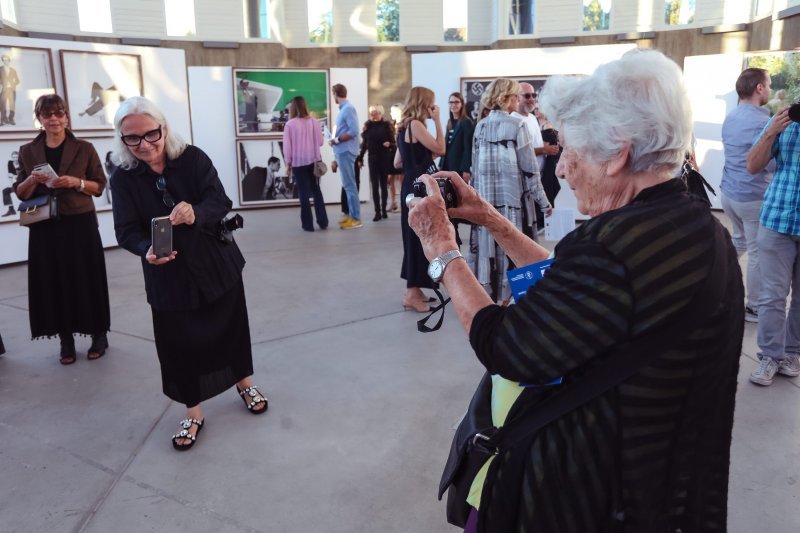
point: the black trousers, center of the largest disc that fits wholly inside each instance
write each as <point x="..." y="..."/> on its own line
<point x="380" y="184"/>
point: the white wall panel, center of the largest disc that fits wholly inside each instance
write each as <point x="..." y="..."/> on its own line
<point x="56" y="16"/>
<point x="219" y="20"/>
<point x="556" y="18"/>
<point x="421" y="22"/>
<point x="143" y="18"/>
<point x="295" y="29"/>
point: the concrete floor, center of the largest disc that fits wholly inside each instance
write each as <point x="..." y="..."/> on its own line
<point x="362" y="407"/>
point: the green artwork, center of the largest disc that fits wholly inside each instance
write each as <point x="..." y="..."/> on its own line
<point x="262" y="98"/>
<point x="784" y="70"/>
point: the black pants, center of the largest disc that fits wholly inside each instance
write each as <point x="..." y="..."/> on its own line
<point x="380" y="184"/>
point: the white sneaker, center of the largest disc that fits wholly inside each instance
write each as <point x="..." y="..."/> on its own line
<point x="790" y="366"/>
<point x="765" y="373"/>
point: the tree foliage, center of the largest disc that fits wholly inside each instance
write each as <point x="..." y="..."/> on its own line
<point x="323" y="33"/>
<point x="672" y="12"/>
<point x="388" y="21"/>
<point x="594" y="18"/>
<point x="455" y="35"/>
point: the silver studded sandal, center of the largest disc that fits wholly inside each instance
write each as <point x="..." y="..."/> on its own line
<point x="253" y="398"/>
<point x="184" y="433"/>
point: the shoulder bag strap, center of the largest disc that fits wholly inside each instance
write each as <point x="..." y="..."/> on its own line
<point x="624" y="363"/>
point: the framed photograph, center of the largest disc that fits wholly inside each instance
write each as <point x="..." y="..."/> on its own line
<point x="9" y="159"/>
<point x="103" y="146"/>
<point x="94" y="85"/>
<point x="784" y="71"/>
<point x="473" y="88"/>
<point x="261" y="98"/>
<point x="262" y="176"/>
<point x="25" y="75"/>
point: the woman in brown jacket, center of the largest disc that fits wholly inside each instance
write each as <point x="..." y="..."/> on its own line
<point x="67" y="286"/>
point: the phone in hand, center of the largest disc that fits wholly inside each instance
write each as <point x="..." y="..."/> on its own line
<point x="161" y="236"/>
<point x="45" y="168"/>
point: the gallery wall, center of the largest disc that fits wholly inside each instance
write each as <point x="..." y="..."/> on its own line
<point x="211" y="93"/>
<point x="164" y="81"/>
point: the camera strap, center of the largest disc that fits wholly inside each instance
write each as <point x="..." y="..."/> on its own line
<point x="422" y="327"/>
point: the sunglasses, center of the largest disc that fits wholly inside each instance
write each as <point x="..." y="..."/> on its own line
<point x="47" y="114"/>
<point x="161" y="185"/>
<point x="528" y="95"/>
<point x="152" y="136"/>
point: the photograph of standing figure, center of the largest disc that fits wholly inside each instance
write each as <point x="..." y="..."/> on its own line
<point x="8" y="91"/>
<point x="25" y="75"/>
<point x="8" y="192"/>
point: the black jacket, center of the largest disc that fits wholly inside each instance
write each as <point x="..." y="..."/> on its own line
<point x="458" y="156"/>
<point x="205" y="268"/>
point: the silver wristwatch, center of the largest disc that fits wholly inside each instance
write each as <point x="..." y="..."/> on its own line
<point x="438" y="264"/>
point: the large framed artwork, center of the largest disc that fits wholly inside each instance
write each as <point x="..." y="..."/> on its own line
<point x="784" y="70"/>
<point x="95" y="83"/>
<point x="25" y="75"/>
<point x="473" y="88"/>
<point x="262" y="175"/>
<point x="262" y="95"/>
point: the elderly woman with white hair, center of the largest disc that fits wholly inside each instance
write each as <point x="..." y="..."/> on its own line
<point x="196" y="293"/>
<point x="609" y="395"/>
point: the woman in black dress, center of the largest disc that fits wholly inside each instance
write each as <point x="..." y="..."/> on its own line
<point x="550" y="181"/>
<point x="377" y="137"/>
<point x="67" y="286"/>
<point x="460" y="128"/>
<point x="196" y="293"/>
<point x="415" y="150"/>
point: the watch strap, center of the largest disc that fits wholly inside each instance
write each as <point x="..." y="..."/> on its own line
<point x="445" y="259"/>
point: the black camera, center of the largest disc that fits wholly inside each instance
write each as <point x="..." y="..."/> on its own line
<point x="445" y="187"/>
<point x="794" y="112"/>
<point x="227" y="226"/>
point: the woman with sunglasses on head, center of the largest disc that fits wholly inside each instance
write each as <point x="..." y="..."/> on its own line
<point x="67" y="286"/>
<point x="196" y="293"/>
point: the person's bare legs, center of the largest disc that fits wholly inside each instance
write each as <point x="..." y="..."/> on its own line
<point x="415" y="299"/>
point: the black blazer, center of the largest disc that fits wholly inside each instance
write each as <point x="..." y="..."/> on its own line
<point x="205" y="267"/>
<point x="458" y="156"/>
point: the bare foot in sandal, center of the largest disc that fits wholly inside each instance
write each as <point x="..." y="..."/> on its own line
<point x="190" y="428"/>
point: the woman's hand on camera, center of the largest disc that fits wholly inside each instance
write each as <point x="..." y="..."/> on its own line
<point x="471" y="206"/>
<point x="182" y="213"/>
<point x="153" y="260"/>
<point x="428" y="218"/>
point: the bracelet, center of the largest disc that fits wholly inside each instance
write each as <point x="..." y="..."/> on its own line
<point x="83" y="186"/>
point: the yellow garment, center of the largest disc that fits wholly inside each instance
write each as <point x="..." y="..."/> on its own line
<point x="504" y="394"/>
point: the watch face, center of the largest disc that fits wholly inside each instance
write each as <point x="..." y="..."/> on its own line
<point x="435" y="269"/>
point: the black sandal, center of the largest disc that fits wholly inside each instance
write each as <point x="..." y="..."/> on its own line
<point x="186" y="425"/>
<point x="68" y="355"/>
<point x="253" y="397"/>
<point x="98" y="347"/>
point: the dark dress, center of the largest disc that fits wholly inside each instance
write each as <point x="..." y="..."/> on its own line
<point x="199" y="312"/>
<point x="651" y="454"/>
<point x="374" y="134"/>
<point x="548" y="171"/>
<point x="67" y="284"/>
<point x="416" y="159"/>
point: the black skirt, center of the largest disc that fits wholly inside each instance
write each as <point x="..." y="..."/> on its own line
<point x="204" y="351"/>
<point x="67" y="285"/>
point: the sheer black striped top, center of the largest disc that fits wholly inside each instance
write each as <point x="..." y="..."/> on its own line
<point x="652" y="454"/>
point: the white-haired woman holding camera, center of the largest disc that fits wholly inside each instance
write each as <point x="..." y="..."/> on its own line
<point x="649" y="448"/>
<point x="196" y="293"/>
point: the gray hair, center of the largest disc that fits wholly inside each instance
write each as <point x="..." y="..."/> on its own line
<point x="638" y="100"/>
<point x="121" y="155"/>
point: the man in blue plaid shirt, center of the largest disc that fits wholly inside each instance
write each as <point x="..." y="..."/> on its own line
<point x="779" y="250"/>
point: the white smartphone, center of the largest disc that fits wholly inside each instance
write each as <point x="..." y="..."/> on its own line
<point x="161" y="236"/>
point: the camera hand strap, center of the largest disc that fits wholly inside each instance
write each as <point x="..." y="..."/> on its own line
<point x="422" y="327"/>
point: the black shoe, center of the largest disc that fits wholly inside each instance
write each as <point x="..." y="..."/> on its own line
<point x="67" y="356"/>
<point x="377" y="217"/>
<point x="98" y="347"/>
<point x="10" y="211"/>
<point x="384" y="215"/>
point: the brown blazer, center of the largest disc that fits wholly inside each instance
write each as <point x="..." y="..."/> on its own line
<point x="79" y="159"/>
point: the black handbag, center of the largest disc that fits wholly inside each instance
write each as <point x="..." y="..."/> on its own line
<point x="696" y="183"/>
<point x="476" y="439"/>
<point x="37" y="209"/>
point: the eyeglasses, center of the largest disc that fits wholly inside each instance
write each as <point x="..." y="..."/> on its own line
<point x="454" y="102"/>
<point x="528" y="95"/>
<point x="152" y="136"/>
<point x="161" y="185"/>
<point x="58" y="113"/>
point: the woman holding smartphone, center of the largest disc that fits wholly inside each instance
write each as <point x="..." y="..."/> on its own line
<point x="195" y="292"/>
<point x="67" y="286"/>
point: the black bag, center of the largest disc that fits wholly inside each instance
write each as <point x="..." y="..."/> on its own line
<point x="37" y="209"/>
<point x="696" y="183"/>
<point x="476" y="439"/>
